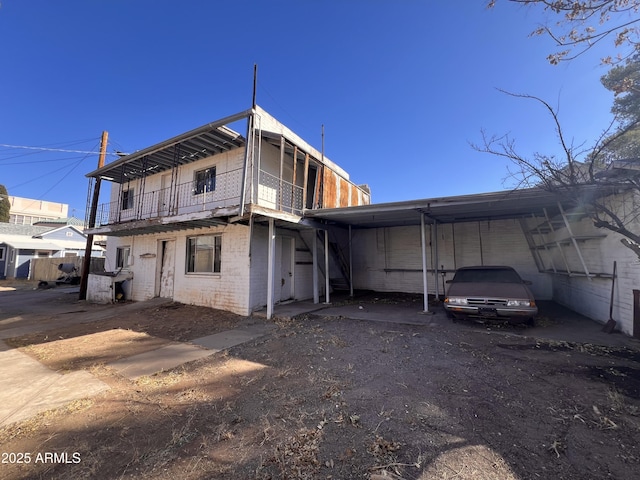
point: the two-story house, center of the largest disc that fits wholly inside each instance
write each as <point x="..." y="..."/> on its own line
<point x="214" y="216"/>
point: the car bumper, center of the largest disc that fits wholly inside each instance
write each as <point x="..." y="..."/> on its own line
<point x="491" y="312"/>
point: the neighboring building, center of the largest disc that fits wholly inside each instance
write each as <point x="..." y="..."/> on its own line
<point x="59" y="222"/>
<point x="28" y="211"/>
<point x="19" y="244"/>
<point x="214" y="218"/>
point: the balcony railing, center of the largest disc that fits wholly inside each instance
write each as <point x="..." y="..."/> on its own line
<point x="279" y="194"/>
<point x="182" y="199"/>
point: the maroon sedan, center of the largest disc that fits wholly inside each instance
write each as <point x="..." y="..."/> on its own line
<point x="490" y="293"/>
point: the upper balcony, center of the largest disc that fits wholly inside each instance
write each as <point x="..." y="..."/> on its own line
<point x="213" y="175"/>
<point x="192" y="204"/>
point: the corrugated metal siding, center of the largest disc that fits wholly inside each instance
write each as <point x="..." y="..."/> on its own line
<point x="355" y="196"/>
<point x="329" y="189"/>
<point x="344" y="193"/>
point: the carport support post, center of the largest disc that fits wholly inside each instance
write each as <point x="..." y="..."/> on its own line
<point x="424" y="263"/>
<point x="434" y="240"/>
<point x="314" y="253"/>
<point x="350" y="263"/>
<point x="326" y="266"/>
<point x="270" y="270"/>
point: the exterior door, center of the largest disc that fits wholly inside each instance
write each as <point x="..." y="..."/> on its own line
<point x="284" y="263"/>
<point x="167" y="268"/>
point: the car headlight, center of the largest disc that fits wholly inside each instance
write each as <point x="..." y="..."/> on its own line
<point x="519" y="303"/>
<point x="456" y="300"/>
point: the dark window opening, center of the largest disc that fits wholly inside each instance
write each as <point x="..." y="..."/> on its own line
<point x="204" y="181"/>
<point x="204" y="254"/>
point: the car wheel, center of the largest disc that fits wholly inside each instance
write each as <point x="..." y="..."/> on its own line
<point x="531" y="322"/>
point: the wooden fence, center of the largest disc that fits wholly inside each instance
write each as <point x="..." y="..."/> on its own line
<point x="47" y="268"/>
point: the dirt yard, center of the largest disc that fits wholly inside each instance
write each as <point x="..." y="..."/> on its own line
<point x="335" y="398"/>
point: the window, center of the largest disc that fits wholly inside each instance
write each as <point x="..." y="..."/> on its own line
<point x="41" y="254"/>
<point x="203" y="254"/>
<point x="204" y="181"/>
<point x="122" y="257"/>
<point x="2" y="250"/>
<point x="127" y="199"/>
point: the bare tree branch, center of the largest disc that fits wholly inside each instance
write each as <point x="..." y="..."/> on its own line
<point x="582" y="24"/>
<point x="577" y="167"/>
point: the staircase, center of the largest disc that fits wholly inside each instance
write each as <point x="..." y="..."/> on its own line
<point x="340" y="281"/>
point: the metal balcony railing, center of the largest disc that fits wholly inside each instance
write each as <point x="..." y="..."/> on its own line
<point x="183" y="198"/>
<point x="279" y="194"/>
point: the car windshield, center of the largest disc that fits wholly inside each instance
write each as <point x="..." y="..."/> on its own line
<point x="487" y="275"/>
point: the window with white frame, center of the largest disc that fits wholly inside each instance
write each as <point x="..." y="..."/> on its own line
<point x="123" y="255"/>
<point x="204" y="254"/>
<point x="127" y="199"/>
<point x="204" y="181"/>
<point x="2" y="253"/>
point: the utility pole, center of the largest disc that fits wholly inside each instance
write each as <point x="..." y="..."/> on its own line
<point x="86" y="261"/>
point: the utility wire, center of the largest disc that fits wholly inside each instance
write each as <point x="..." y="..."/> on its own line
<point x="45" y="149"/>
<point x="49" y="173"/>
<point x="51" y="160"/>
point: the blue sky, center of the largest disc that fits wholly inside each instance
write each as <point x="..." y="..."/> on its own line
<point x="401" y="86"/>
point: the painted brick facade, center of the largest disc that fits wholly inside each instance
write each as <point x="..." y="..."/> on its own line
<point x="390" y="259"/>
<point x="592" y="297"/>
<point x="228" y="290"/>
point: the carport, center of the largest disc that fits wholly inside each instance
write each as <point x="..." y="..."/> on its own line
<point x="415" y="246"/>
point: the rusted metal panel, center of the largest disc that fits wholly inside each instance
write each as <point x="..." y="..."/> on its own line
<point x="355" y="197"/>
<point x="329" y="189"/>
<point x="344" y="192"/>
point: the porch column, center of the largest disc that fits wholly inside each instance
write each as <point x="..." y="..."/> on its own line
<point x="326" y="266"/>
<point x="350" y="264"/>
<point x="423" y="238"/>
<point x="314" y="253"/>
<point x="270" y="270"/>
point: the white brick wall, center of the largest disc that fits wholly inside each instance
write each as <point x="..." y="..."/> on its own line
<point x="303" y="273"/>
<point x="591" y="297"/>
<point x="390" y="259"/>
<point x="228" y="290"/>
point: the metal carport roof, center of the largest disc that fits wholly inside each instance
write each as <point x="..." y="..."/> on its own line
<point x="464" y="208"/>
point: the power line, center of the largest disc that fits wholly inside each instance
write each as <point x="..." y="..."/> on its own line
<point x="49" y="173"/>
<point x="45" y="149"/>
<point x="51" y="160"/>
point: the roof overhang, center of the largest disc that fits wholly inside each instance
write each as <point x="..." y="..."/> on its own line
<point x="26" y="243"/>
<point x="465" y="208"/>
<point x="205" y="141"/>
